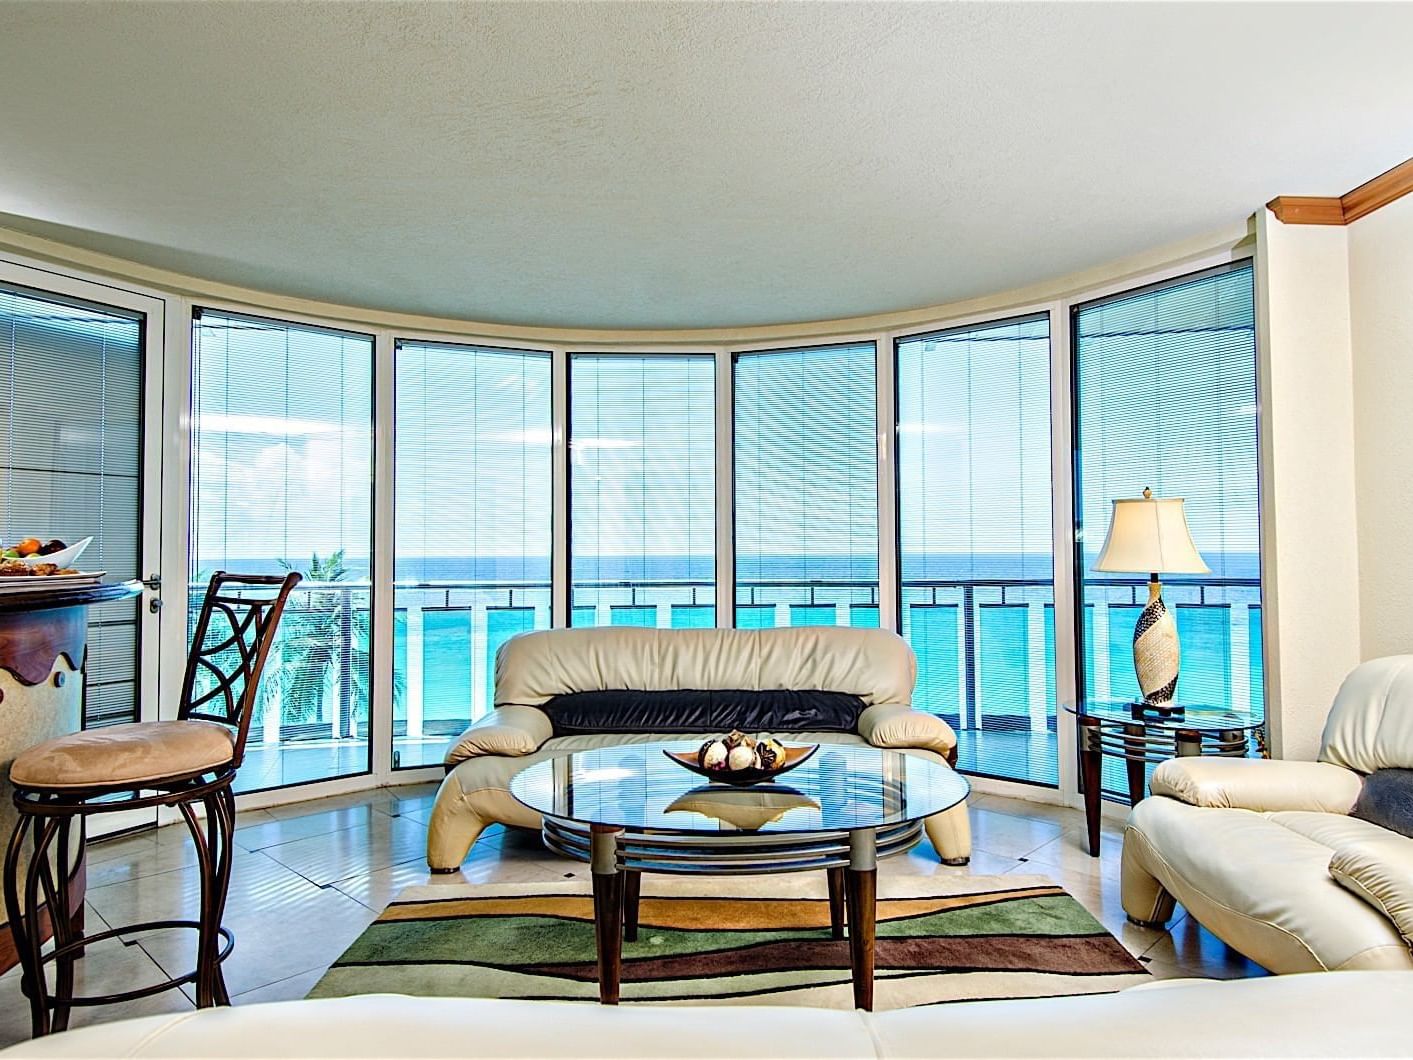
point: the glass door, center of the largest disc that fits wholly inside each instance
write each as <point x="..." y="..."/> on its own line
<point x="281" y="479"/>
<point x="79" y="450"/>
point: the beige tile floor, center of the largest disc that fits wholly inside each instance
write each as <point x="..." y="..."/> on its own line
<point x="308" y="877"/>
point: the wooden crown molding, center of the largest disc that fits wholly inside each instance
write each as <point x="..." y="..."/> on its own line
<point x="1365" y="199"/>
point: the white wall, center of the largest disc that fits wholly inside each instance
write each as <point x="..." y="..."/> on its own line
<point x="1381" y="322"/>
<point x="1309" y="522"/>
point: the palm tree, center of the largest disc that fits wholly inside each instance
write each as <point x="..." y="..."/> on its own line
<point x="324" y="648"/>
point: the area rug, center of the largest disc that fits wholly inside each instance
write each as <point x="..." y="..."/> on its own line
<point x="757" y="940"/>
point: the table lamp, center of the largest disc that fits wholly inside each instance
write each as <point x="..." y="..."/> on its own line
<point x="1149" y="534"/>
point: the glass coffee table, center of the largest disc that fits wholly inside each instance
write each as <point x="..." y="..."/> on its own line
<point x="628" y="809"/>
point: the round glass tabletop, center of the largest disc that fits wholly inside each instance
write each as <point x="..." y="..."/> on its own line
<point x="637" y="787"/>
<point x="1193" y="717"/>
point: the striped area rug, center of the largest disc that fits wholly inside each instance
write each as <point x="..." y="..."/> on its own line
<point x="761" y="940"/>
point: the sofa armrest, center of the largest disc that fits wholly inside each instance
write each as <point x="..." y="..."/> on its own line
<point x="897" y="725"/>
<point x="511" y="730"/>
<point x="1258" y="784"/>
<point x="1380" y="871"/>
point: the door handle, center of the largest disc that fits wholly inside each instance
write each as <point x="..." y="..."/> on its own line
<point x="153" y="584"/>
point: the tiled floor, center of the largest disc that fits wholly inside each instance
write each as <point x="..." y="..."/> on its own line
<point x="308" y="877"/>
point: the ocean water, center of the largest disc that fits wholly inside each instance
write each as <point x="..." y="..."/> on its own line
<point x="985" y="653"/>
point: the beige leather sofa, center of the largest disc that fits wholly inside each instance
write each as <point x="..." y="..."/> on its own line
<point x="534" y="668"/>
<point x="1265" y="854"/>
<point x="1351" y="1014"/>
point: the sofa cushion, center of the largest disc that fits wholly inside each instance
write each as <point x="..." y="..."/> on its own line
<point x="874" y="664"/>
<point x="1330" y="830"/>
<point x="1380" y="871"/>
<point x="116" y="755"/>
<point x="697" y="710"/>
<point x="1387" y="800"/>
<point x="1262" y="886"/>
<point x="1370" y="725"/>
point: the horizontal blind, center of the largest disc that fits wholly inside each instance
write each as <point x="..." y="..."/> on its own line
<point x="976" y="542"/>
<point x="806" y="485"/>
<point x="1166" y="387"/>
<point x="71" y="421"/>
<point x="642" y="476"/>
<point x="282" y="479"/>
<point x="472" y="529"/>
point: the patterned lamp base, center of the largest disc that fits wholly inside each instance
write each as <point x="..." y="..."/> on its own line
<point x="1155" y="649"/>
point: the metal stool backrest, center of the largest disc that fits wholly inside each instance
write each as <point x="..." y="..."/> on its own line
<point x="229" y="646"/>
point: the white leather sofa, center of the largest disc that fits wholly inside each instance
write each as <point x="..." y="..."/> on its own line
<point x="535" y="671"/>
<point x="1350" y="1014"/>
<point x="1264" y="853"/>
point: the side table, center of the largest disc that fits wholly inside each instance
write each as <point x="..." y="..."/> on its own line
<point x="1138" y="735"/>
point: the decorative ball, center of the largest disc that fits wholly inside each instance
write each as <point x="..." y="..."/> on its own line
<point x="770" y="752"/>
<point x="736" y="738"/>
<point x="741" y="757"/>
<point x="713" y="755"/>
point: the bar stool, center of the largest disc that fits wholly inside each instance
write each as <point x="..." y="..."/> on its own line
<point x="181" y="763"/>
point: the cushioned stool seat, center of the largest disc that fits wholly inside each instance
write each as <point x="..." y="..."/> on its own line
<point x="122" y="755"/>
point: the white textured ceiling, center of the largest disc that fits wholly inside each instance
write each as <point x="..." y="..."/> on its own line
<point x="678" y="165"/>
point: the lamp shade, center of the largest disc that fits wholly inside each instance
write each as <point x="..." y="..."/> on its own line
<point x="1148" y="534"/>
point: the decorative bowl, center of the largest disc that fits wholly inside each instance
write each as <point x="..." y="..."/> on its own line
<point x="794" y="756"/>
<point x="63" y="558"/>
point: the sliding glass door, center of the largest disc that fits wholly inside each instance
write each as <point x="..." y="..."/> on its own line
<point x="1165" y="386"/>
<point x="976" y="553"/>
<point x="806" y="487"/>
<point x="473" y="531"/>
<point x="642" y="479"/>
<point x="281" y="479"/>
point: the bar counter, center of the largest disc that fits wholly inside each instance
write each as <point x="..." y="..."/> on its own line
<point x="43" y="651"/>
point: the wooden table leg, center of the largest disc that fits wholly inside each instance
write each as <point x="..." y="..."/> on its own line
<point x="836" y="902"/>
<point x="632" y="889"/>
<point x="1133" y="761"/>
<point x="1091" y="773"/>
<point x="861" y="887"/>
<point x="608" y="909"/>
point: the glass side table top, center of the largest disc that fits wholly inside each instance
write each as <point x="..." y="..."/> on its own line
<point x="1192" y="717"/>
<point x="637" y="787"/>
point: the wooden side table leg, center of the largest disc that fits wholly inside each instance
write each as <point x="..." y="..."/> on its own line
<point x="836" y="902"/>
<point x="1136" y="767"/>
<point x="1091" y="774"/>
<point x="632" y="891"/>
<point x="608" y="909"/>
<point x="862" y="891"/>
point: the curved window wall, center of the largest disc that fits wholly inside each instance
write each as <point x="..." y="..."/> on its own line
<point x="908" y="479"/>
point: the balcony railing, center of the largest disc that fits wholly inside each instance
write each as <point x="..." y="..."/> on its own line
<point x="985" y="646"/>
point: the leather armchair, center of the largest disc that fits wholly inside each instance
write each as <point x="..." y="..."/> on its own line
<point x="1266" y="855"/>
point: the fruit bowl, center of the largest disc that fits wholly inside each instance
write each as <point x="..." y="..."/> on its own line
<point x="794" y="756"/>
<point x="65" y="557"/>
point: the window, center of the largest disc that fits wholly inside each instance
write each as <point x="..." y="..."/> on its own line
<point x="71" y="416"/>
<point x="281" y="479"/>
<point x="473" y="530"/>
<point x="806" y="487"/>
<point x="642" y="474"/>
<point x="1165" y="382"/>
<point x="975" y="540"/>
